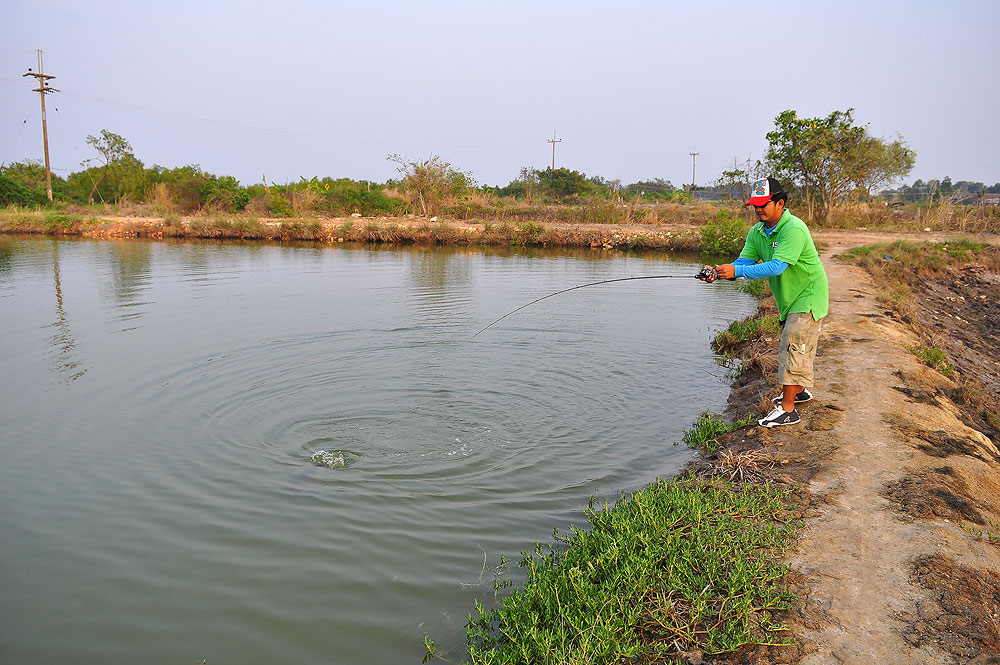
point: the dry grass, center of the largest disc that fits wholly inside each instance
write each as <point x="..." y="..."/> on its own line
<point x="743" y="466"/>
<point x="160" y="198"/>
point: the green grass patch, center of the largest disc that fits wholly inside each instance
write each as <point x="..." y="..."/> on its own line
<point x="758" y="288"/>
<point x="989" y="534"/>
<point x="729" y="342"/>
<point x="931" y="356"/>
<point x="683" y="565"/>
<point x="707" y="430"/>
<point x="52" y="221"/>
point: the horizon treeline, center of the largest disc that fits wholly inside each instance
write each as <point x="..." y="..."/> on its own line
<point x="826" y="162"/>
<point x="423" y="187"/>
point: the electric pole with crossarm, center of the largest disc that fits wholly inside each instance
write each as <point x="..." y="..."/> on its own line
<point x="42" y="90"/>
<point x="553" y="141"/>
<point x="694" y="158"/>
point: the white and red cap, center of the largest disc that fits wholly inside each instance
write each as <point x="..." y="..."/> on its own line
<point x="763" y="190"/>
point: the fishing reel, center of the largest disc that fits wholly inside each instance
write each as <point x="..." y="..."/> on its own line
<point x="707" y="274"/>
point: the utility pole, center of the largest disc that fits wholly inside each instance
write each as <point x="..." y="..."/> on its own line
<point x="553" y="141"/>
<point x="43" y="89"/>
<point x="694" y="159"/>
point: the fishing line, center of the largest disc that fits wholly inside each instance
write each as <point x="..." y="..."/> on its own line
<point x="583" y="286"/>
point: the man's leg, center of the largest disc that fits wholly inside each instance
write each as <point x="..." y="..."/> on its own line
<point x="788" y="394"/>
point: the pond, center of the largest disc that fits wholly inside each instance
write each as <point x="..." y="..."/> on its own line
<point x="161" y="403"/>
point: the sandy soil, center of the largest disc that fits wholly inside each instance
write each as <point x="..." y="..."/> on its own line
<point x="887" y="472"/>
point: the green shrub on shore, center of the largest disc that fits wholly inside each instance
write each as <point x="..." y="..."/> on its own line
<point x="723" y="234"/>
<point x="13" y="193"/>
<point x="678" y="565"/>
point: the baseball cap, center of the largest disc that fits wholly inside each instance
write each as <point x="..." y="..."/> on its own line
<point x="763" y="190"/>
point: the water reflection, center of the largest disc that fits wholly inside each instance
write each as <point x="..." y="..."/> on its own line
<point x="130" y="275"/>
<point x="67" y="364"/>
<point x="441" y="288"/>
<point x="7" y="254"/>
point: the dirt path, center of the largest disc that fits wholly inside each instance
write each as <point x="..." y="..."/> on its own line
<point x="886" y="573"/>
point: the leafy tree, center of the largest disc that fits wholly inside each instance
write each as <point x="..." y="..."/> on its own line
<point x="563" y="183"/>
<point x="651" y="189"/>
<point x="829" y="157"/>
<point x="183" y="182"/>
<point x="431" y="182"/>
<point x="115" y="153"/>
<point x="522" y="187"/>
<point x="224" y="192"/>
<point x="877" y="163"/>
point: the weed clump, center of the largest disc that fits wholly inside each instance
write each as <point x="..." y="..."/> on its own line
<point x="747" y="343"/>
<point x="931" y="356"/>
<point x="708" y="429"/>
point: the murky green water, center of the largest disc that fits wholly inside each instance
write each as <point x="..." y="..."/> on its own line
<point x="160" y="403"/>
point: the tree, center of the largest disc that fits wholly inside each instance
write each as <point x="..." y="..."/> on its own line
<point x="116" y="155"/>
<point x="431" y="182"/>
<point x="831" y="156"/>
<point x="735" y="183"/>
<point x="224" y="192"/>
<point x="564" y="183"/>
<point x="31" y="174"/>
<point x="879" y="163"/>
<point x="14" y="193"/>
<point x="657" y="188"/>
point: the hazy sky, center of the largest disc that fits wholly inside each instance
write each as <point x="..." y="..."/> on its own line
<point x="303" y="88"/>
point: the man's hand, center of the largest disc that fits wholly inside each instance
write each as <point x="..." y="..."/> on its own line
<point x="726" y="271"/>
<point x="707" y="274"/>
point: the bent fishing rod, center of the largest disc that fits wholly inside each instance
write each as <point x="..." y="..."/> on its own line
<point x="705" y="275"/>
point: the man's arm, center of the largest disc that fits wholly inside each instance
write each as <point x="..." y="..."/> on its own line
<point x="772" y="268"/>
<point x="743" y="267"/>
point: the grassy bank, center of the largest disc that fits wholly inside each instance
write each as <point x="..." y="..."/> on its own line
<point x="713" y="228"/>
<point x="681" y="565"/>
<point x="393" y="230"/>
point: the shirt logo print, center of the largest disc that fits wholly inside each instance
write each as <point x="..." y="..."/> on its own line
<point x="774" y="244"/>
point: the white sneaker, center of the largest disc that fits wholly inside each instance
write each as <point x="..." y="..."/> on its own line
<point x="803" y="396"/>
<point x="779" y="417"/>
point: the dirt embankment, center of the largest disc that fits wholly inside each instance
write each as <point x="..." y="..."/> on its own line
<point x="898" y="495"/>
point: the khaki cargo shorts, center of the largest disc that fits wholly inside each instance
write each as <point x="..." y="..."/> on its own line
<point x="798" y="350"/>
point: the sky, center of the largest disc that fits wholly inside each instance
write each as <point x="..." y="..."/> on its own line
<point x="303" y="88"/>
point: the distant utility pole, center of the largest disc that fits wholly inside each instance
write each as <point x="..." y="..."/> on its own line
<point x="42" y="90"/>
<point x="694" y="159"/>
<point x="553" y="141"/>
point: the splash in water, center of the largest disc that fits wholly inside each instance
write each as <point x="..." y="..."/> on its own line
<point x="333" y="459"/>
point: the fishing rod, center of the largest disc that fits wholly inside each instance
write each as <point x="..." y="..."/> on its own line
<point x="705" y="274"/>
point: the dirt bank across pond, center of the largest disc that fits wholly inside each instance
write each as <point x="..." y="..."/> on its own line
<point x="893" y="487"/>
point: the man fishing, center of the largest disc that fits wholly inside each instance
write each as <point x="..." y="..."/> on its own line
<point x="781" y="249"/>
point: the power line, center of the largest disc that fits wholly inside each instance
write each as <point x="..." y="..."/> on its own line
<point x="17" y="135"/>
